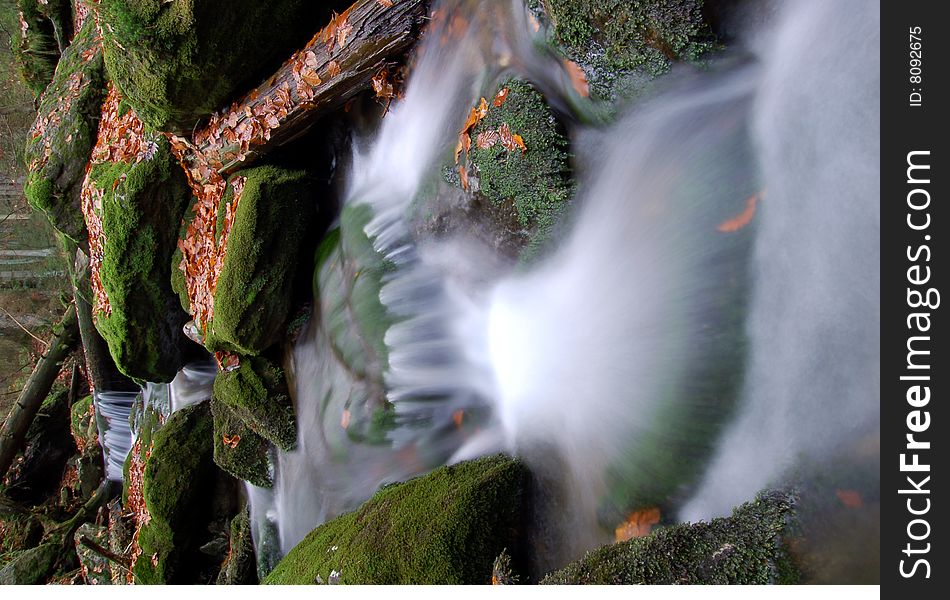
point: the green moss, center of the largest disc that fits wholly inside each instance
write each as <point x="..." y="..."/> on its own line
<point x="141" y="211"/>
<point x="257" y="393"/>
<point x="33" y="566"/>
<point x="37" y="48"/>
<point x="444" y="528"/>
<point x="252" y="302"/>
<point x="240" y="566"/>
<point x="177" y="61"/>
<point x="746" y="548"/>
<point x="82" y="422"/>
<point x="177" y="485"/>
<point x="68" y="116"/>
<point x="538" y="180"/>
<point x="19" y="528"/>
<point x="624" y="42"/>
<point x="246" y="456"/>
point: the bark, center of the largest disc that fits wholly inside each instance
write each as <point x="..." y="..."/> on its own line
<point x="286" y="105"/>
<point x="38" y="386"/>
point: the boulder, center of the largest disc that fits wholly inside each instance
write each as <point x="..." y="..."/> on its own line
<point x="256" y="392"/>
<point x="444" y="528"/>
<point x="750" y="547"/>
<point x="177" y="61"/>
<point x="45" y="29"/>
<point x="178" y="481"/>
<point x="142" y="201"/>
<point x="237" y="449"/>
<point x="64" y="133"/>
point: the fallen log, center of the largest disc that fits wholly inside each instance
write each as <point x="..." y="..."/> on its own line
<point x="340" y="61"/>
<point x="38" y="386"/>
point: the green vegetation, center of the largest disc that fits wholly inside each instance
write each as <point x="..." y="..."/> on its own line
<point x="68" y="122"/>
<point x="32" y="566"/>
<point x="142" y="205"/>
<point x="252" y="302"/>
<point x="240" y="567"/>
<point x="624" y="42"/>
<point x="444" y="528"/>
<point x="747" y="548"/>
<point x="177" y="61"/>
<point x="238" y="450"/>
<point x="178" y="482"/>
<point x="44" y="30"/>
<point x="257" y="393"/>
<point x="537" y="180"/>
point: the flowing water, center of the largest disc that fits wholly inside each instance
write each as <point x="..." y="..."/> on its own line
<point x="707" y="328"/>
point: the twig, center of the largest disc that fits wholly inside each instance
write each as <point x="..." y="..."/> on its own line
<point x="28" y="332"/>
<point x="123" y="561"/>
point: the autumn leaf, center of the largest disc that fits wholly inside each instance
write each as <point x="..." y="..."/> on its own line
<point x="231" y="441"/>
<point x="463" y="176"/>
<point x="638" y="524"/>
<point x="742" y="219"/>
<point x="487" y="139"/>
<point x="345" y="419"/>
<point x="457" y="417"/>
<point x="500" y="97"/>
<point x="850" y="498"/>
<point x="333" y="68"/>
<point x="385" y="3"/>
<point x="578" y="78"/>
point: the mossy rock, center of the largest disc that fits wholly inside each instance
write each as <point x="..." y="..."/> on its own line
<point x="177" y="484"/>
<point x="622" y="45"/>
<point x="444" y="528"/>
<point x="96" y="569"/>
<point x="240" y="568"/>
<point x="747" y="548"/>
<point x="19" y="528"/>
<point x="537" y="181"/>
<point x="238" y="450"/>
<point x="34" y="566"/>
<point x="256" y="391"/>
<point x="45" y="29"/>
<point x="177" y="61"/>
<point x="254" y="294"/>
<point x="49" y="446"/>
<point x="83" y="421"/>
<point x="65" y="134"/>
<point x="141" y="209"/>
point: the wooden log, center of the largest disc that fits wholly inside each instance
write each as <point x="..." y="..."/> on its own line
<point x="339" y="62"/>
<point x="17" y="423"/>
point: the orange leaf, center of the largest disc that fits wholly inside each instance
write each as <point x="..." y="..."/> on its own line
<point x="519" y="142"/>
<point x="385" y="3"/>
<point x="345" y="419"/>
<point x="742" y="219"/>
<point x="500" y="97"/>
<point x="333" y="68"/>
<point x="850" y="498"/>
<point x="457" y="417"/>
<point x="231" y="441"/>
<point x="463" y="175"/>
<point x="578" y="78"/>
<point x="638" y="524"/>
<point x="470" y="121"/>
<point x="482" y="108"/>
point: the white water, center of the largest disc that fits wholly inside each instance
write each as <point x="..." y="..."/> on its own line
<point x="596" y="362"/>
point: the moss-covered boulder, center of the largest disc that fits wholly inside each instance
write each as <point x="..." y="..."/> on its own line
<point x="750" y="547"/>
<point x="253" y="295"/>
<point x="256" y="391"/>
<point x="240" y="568"/>
<point x="238" y="450"/>
<point x="49" y="445"/>
<point x="141" y="206"/>
<point x="96" y="568"/>
<point x="45" y="29"/>
<point x="177" y="61"/>
<point x="622" y="45"/>
<point x="444" y="528"/>
<point x="178" y="481"/>
<point x="19" y="528"/>
<point x="64" y="133"/>
<point x="536" y="179"/>
<point x="32" y="566"/>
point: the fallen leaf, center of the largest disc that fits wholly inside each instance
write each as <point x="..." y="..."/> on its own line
<point x="638" y="524"/>
<point x="500" y="97"/>
<point x="457" y="417"/>
<point x="463" y="176"/>
<point x="333" y="68"/>
<point x="850" y="498"/>
<point x="345" y="419"/>
<point x="742" y="219"/>
<point x="578" y="78"/>
<point x="385" y="3"/>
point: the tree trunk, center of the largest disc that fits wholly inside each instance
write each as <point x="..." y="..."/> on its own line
<point x="37" y="387"/>
<point x="338" y="63"/>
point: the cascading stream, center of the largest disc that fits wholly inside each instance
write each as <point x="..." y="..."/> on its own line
<point x="719" y="276"/>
